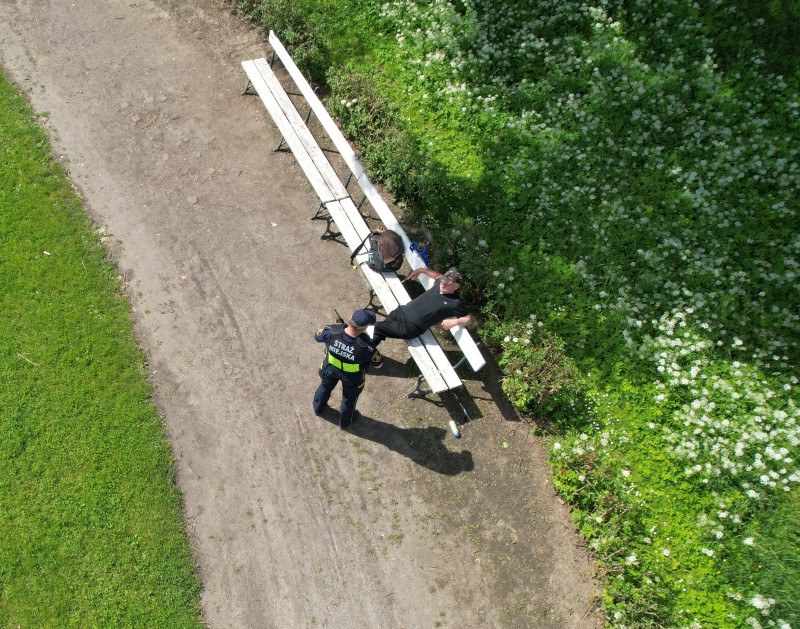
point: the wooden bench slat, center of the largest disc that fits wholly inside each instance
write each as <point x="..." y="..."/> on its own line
<point x="323" y="166"/>
<point x="288" y="132"/>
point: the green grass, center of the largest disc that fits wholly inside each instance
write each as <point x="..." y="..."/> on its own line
<point x="91" y="529"/>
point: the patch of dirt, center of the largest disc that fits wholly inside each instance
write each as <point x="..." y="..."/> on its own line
<point x="394" y="523"/>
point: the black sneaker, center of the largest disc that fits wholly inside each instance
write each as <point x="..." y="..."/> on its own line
<point x="321" y="412"/>
<point x="355" y="418"/>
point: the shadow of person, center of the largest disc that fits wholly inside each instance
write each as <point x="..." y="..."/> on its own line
<point x="424" y="446"/>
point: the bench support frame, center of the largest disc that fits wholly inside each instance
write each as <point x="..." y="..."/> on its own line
<point x="420" y="392"/>
<point x="324" y="215"/>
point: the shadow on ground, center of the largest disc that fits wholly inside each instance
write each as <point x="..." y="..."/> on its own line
<point x="424" y="446"/>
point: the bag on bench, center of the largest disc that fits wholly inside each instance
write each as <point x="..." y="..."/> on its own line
<point x="385" y="251"/>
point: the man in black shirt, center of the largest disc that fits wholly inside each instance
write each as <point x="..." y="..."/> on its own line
<point x="441" y="303"/>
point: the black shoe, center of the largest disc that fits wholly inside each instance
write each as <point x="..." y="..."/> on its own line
<point x="321" y="412"/>
<point x="356" y="417"/>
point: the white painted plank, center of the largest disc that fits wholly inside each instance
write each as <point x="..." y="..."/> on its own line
<point x="311" y="146"/>
<point x="288" y="132"/>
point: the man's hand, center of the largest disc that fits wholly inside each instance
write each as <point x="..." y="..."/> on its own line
<point x="434" y="275"/>
<point x="447" y="324"/>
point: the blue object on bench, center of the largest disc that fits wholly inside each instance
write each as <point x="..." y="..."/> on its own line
<point x="422" y="250"/>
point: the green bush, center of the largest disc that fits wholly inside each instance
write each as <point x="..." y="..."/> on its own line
<point x="385" y="147"/>
<point x="293" y="23"/>
<point x="535" y="368"/>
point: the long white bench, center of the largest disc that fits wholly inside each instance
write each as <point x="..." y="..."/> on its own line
<point x="436" y="369"/>
<point x="460" y="333"/>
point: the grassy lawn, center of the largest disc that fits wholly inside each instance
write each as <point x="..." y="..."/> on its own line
<point x="619" y="182"/>
<point x="91" y="530"/>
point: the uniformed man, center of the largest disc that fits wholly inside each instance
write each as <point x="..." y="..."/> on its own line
<point x="349" y="353"/>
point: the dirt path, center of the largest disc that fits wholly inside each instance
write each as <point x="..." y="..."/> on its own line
<point x="293" y="522"/>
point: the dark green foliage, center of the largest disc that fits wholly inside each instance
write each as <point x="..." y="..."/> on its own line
<point x="293" y="23"/>
<point x="535" y="368"/>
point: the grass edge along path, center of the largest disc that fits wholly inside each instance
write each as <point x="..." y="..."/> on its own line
<point x="91" y="529"/>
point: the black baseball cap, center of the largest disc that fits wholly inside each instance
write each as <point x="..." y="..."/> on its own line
<point x="362" y="318"/>
<point x="454" y="276"/>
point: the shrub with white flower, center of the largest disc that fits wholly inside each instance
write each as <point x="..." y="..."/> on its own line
<point x="728" y="423"/>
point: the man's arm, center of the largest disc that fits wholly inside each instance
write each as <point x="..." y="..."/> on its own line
<point x="322" y="335"/>
<point x="429" y="272"/>
<point x="452" y="322"/>
<point x="376" y="360"/>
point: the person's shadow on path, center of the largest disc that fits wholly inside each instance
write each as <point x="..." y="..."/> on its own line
<point x="424" y="446"/>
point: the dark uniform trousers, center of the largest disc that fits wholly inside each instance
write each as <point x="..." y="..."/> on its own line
<point x="352" y="385"/>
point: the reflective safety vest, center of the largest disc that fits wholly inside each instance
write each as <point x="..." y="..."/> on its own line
<point x="346" y="367"/>
<point x="342" y="354"/>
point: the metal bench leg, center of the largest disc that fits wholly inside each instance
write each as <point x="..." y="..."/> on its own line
<point x="460" y="362"/>
<point x="249" y="90"/>
<point x="371" y="305"/>
<point x="360" y="203"/>
<point x="419" y="391"/>
<point x="329" y="234"/>
<point x="323" y="215"/>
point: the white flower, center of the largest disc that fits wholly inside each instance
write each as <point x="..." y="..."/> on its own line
<point x="748" y="541"/>
<point x="666" y="552"/>
<point x="759" y="602"/>
<point x="631" y="559"/>
<point x="626" y="473"/>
